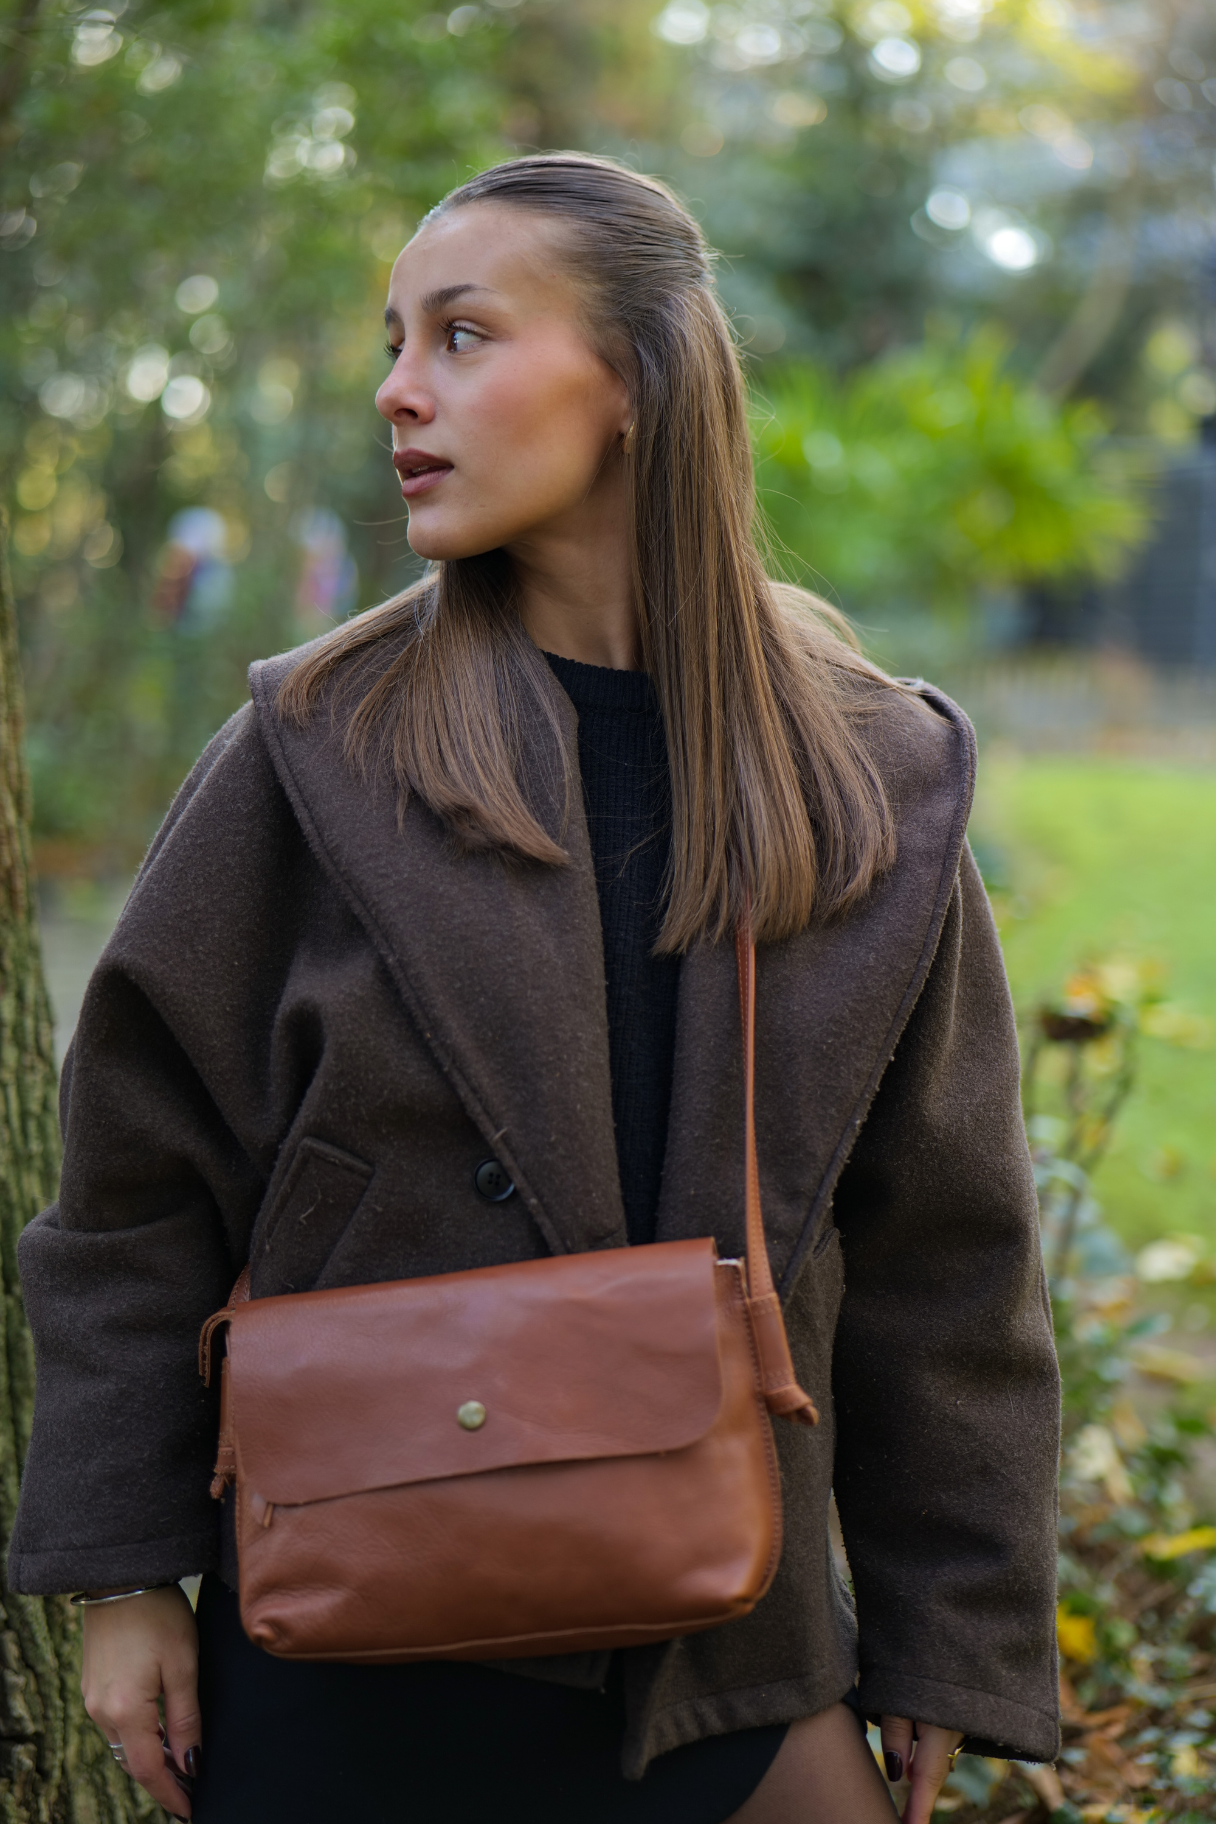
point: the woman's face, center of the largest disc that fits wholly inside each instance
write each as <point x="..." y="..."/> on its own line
<point x="506" y="423"/>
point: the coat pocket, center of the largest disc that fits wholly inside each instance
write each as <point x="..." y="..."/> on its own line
<point x="315" y="1203"/>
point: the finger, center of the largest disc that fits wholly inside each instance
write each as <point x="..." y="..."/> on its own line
<point x="137" y="1727"/>
<point x="930" y="1765"/>
<point x="183" y="1719"/>
<point x="896" y="1747"/>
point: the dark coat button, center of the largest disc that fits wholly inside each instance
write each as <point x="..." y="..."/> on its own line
<point x="492" y="1182"/>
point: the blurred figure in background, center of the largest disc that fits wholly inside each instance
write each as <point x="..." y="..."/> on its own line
<point x="194" y="582"/>
<point x="329" y="577"/>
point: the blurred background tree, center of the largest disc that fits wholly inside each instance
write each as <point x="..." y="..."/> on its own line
<point x="53" y="1763"/>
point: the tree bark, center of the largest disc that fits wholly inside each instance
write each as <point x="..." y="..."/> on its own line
<point x="54" y="1766"/>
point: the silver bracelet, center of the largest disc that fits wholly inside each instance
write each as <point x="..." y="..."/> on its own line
<point x="83" y="1601"/>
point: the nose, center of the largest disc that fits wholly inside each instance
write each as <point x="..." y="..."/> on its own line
<point x="403" y="398"/>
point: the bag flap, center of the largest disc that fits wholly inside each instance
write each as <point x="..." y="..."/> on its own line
<point x="610" y="1354"/>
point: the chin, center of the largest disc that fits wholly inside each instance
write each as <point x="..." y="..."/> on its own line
<point x="439" y="544"/>
<point x="431" y="547"/>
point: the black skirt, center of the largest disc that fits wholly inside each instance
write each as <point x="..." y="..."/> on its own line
<point x="436" y="1743"/>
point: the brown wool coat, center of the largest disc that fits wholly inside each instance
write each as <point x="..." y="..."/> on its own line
<point x="311" y="1026"/>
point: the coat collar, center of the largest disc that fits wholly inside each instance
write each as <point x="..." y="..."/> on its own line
<point x="501" y="967"/>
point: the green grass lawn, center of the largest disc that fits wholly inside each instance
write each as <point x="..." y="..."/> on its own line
<point x="1113" y="857"/>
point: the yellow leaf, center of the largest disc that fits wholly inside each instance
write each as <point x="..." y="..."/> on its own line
<point x="1076" y="1636"/>
<point x="1186" y="1764"/>
<point x="1168" y="1364"/>
<point x="1164" y="1546"/>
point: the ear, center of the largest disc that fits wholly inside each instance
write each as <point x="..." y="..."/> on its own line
<point x="624" y="406"/>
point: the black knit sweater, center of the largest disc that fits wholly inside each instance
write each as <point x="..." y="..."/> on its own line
<point x="622" y="755"/>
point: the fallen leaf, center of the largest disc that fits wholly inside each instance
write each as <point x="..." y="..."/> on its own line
<point x="1076" y="1637"/>
<point x="1107" y="1768"/>
<point x="1070" y="1705"/>
<point x="1185" y="1764"/>
<point x="1163" y="1364"/>
<point x="1094" y="1457"/>
<point x="1164" y="1546"/>
<point x="1044" y="1782"/>
<point x="1107" y="1722"/>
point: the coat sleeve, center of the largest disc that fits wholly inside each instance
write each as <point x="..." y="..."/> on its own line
<point x="945" y="1378"/>
<point x="168" y="1140"/>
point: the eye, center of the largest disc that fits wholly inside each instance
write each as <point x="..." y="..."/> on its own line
<point x="392" y="352"/>
<point x="460" y="339"/>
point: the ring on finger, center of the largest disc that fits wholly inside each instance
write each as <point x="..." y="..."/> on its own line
<point x="119" y="1752"/>
<point x="954" y="1754"/>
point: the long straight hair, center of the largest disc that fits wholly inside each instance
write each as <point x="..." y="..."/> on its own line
<point x="775" y="799"/>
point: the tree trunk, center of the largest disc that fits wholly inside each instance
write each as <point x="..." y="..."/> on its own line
<point x="54" y="1766"/>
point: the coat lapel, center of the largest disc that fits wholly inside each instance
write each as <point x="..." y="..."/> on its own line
<point x="830" y="1006"/>
<point x="501" y="965"/>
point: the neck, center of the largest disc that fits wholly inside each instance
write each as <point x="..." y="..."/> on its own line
<point x="576" y="589"/>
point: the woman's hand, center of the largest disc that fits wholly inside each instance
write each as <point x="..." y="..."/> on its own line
<point x="135" y="1653"/>
<point x="925" y="1762"/>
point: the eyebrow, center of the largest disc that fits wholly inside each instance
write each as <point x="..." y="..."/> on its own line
<point x="432" y="302"/>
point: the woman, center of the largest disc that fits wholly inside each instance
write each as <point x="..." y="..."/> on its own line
<point x="427" y="971"/>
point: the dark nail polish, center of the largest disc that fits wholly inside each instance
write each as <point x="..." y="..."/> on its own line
<point x="194" y="1762"/>
<point x="894" y="1764"/>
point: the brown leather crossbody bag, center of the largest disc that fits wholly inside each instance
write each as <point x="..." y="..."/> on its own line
<point x="546" y="1457"/>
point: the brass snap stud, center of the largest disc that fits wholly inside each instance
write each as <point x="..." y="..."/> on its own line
<point x="472" y="1415"/>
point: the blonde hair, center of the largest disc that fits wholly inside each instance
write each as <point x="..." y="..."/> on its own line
<point x="774" y="796"/>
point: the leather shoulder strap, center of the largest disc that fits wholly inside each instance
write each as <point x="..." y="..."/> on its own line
<point x="782" y="1394"/>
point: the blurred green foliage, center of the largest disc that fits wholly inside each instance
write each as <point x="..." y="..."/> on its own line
<point x="937" y="472"/>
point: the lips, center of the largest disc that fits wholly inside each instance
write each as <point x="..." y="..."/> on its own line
<point x="419" y="470"/>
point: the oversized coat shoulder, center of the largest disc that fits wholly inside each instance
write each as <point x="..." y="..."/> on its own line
<point x="315" y="1020"/>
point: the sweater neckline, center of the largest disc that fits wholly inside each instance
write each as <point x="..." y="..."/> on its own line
<point x="600" y="687"/>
